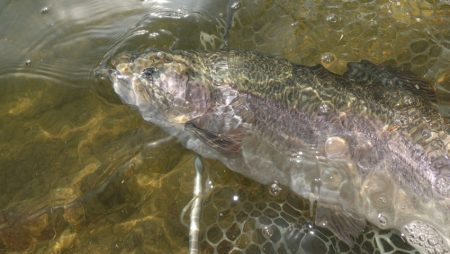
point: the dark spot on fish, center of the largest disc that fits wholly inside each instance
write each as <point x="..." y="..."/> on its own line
<point x="148" y="73"/>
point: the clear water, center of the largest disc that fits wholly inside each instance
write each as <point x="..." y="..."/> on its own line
<point x="81" y="172"/>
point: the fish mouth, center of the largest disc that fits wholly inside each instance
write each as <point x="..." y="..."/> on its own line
<point x="123" y="87"/>
<point x="136" y="91"/>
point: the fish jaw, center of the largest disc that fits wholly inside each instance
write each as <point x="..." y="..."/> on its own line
<point x="123" y="88"/>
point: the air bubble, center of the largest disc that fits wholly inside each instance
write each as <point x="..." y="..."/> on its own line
<point x="267" y="232"/>
<point x="153" y="35"/>
<point x="297" y="157"/>
<point x="325" y="108"/>
<point x="236" y="5"/>
<point x="332" y="18"/>
<point x="44" y="10"/>
<point x="382" y="219"/>
<point x="28" y="62"/>
<point x="432" y="242"/>
<point x="275" y="189"/>
<point x="327" y="58"/>
<point x="209" y="185"/>
<point x="140" y="32"/>
<point x="336" y="147"/>
<point x="373" y="23"/>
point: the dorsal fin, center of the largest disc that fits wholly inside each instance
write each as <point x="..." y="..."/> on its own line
<point x="366" y="71"/>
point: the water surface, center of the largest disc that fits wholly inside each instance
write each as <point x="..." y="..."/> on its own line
<point x="81" y="172"/>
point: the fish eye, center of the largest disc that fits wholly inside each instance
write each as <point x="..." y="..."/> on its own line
<point x="149" y="72"/>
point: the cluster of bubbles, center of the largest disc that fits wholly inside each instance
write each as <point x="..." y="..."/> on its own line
<point x="411" y="34"/>
<point x="273" y="220"/>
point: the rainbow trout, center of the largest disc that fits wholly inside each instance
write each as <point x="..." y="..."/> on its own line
<point x="365" y="146"/>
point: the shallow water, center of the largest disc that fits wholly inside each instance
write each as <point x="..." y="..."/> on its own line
<point x="81" y="172"/>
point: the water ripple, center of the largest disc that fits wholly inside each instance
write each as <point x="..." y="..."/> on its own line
<point x="60" y="36"/>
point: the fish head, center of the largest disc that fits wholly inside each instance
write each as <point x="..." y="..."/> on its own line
<point x="168" y="86"/>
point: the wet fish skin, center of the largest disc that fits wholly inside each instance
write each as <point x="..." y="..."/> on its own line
<point x="330" y="138"/>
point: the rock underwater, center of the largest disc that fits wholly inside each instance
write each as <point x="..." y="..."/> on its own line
<point x="365" y="146"/>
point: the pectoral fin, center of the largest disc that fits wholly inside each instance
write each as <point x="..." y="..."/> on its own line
<point x="345" y="225"/>
<point x="228" y="141"/>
